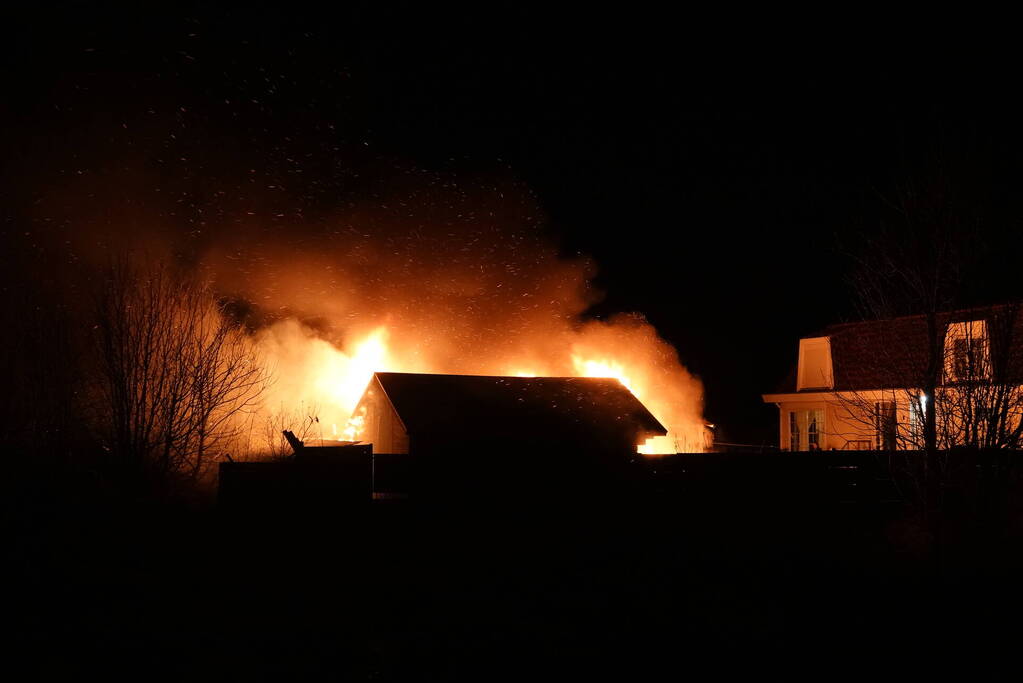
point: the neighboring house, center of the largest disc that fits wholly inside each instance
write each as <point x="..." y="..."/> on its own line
<point x="443" y="414"/>
<point x="858" y="386"/>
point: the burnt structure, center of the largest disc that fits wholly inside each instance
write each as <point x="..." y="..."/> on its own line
<point x="497" y="437"/>
<point x="422" y="414"/>
<point x="469" y="436"/>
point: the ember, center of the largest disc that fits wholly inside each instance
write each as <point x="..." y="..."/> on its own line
<point x="333" y="379"/>
<point x="456" y="278"/>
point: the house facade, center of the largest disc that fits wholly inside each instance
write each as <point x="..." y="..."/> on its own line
<point x="860" y="386"/>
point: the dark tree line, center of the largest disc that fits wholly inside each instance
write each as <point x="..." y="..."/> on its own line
<point x="136" y="368"/>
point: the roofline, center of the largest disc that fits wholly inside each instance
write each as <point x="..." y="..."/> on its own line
<point x="389" y="401"/>
<point x="376" y="379"/>
<point x="512" y="377"/>
<point x="788" y="396"/>
<point x="825" y="331"/>
<point x="817" y="393"/>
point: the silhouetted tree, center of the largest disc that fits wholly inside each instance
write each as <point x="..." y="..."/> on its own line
<point x="175" y="373"/>
<point x="960" y="380"/>
<point x="912" y="266"/>
<point x="301" y="422"/>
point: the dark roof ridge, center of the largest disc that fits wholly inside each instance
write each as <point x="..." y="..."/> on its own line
<point x="513" y="377"/>
<point x="498" y="404"/>
<point x="952" y="313"/>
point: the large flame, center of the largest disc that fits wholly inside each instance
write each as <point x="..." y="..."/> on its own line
<point x="330" y="380"/>
<point x="343" y="378"/>
<point x="440" y="276"/>
<point x="602" y="368"/>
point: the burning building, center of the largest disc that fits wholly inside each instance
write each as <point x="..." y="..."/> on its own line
<point x="442" y="275"/>
<point x="407" y="413"/>
<point x="459" y="437"/>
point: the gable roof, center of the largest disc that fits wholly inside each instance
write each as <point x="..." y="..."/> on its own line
<point x="519" y="408"/>
<point x="886" y="354"/>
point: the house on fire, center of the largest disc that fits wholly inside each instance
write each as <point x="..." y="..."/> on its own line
<point x="423" y="414"/>
<point x="458" y="437"/>
<point x="860" y="386"/>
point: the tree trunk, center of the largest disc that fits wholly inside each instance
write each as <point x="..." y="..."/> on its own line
<point x="931" y="507"/>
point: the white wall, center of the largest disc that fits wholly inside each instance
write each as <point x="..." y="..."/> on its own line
<point x="848" y="420"/>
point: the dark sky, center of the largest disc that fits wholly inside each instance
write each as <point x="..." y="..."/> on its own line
<point x="717" y="175"/>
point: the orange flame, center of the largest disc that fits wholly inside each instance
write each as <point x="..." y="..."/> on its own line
<point x="322" y="375"/>
<point x="602" y="368"/>
<point x="343" y="378"/>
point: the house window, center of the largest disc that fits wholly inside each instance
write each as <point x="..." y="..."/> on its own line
<point x="814" y="422"/>
<point x="815" y="371"/>
<point x="806" y="429"/>
<point x="885" y="425"/>
<point x="966" y="351"/>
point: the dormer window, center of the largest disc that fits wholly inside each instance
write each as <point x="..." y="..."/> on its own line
<point x="815" y="364"/>
<point x="967" y="352"/>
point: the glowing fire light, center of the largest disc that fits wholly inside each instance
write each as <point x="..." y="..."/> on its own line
<point x="602" y="368"/>
<point x="658" y="445"/>
<point x="438" y="276"/>
<point x="324" y="376"/>
<point x="345" y="377"/>
<point x="353" y="429"/>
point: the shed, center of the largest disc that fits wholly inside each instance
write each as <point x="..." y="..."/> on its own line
<point x="425" y="413"/>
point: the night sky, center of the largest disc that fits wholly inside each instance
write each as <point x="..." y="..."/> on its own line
<point x="718" y="177"/>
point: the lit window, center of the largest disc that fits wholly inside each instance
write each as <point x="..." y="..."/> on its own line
<point x="814" y="420"/>
<point x="806" y="429"/>
<point x="966" y="351"/>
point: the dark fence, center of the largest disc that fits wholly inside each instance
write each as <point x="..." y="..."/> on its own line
<point x="318" y="479"/>
<point x="834" y="475"/>
<point x="394" y="475"/>
<point x="959" y="476"/>
<point x="354" y="476"/>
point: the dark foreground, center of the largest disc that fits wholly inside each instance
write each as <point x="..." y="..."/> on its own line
<point x="735" y="577"/>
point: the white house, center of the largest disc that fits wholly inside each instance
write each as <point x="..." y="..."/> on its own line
<point x="857" y="386"/>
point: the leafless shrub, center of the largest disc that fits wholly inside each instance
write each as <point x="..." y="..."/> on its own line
<point x="176" y="375"/>
<point x="303" y="422"/>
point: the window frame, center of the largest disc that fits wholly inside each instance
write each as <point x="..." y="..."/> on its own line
<point x="967" y="352"/>
<point x="886" y="425"/>
<point x="801" y="436"/>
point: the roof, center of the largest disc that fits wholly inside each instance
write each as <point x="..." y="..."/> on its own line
<point x="519" y="408"/>
<point x="885" y="354"/>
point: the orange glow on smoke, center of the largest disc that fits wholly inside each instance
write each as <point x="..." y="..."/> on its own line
<point x="602" y="368"/>
<point x="330" y="381"/>
<point x="439" y="275"/>
<point x="658" y="445"/>
<point x="344" y="378"/>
